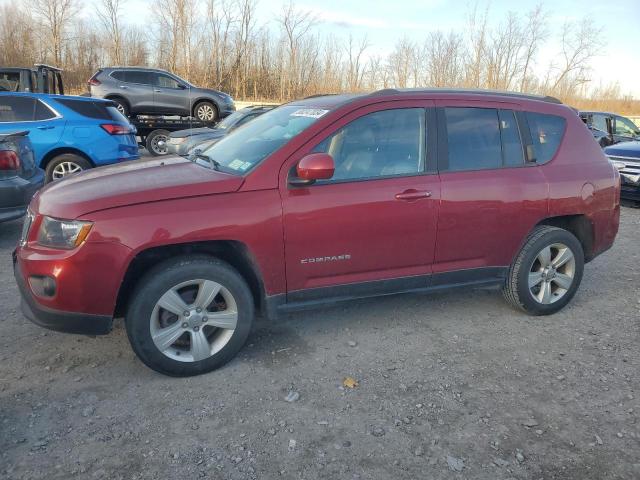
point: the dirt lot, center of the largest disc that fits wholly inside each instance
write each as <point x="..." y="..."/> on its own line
<point x="454" y="385"/>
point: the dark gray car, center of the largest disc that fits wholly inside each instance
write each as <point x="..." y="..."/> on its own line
<point x="19" y="176"/>
<point x="148" y="91"/>
<point x="182" y="142"/>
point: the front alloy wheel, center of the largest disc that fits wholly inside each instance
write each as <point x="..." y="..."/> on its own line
<point x="194" y="320"/>
<point x="189" y="315"/>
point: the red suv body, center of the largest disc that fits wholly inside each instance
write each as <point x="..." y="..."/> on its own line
<point x="323" y="199"/>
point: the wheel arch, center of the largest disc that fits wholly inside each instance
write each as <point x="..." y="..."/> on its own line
<point x="61" y="151"/>
<point x="580" y="226"/>
<point x="210" y="100"/>
<point x="233" y="252"/>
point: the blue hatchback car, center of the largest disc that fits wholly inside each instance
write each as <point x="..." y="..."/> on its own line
<point x="68" y="133"/>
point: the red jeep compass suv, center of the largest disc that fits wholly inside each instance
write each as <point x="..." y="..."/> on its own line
<point x="324" y="199"/>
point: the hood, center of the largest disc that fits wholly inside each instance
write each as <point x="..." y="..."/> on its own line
<point x="131" y="183"/>
<point x="188" y="132"/>
<point x="625" y="149"/>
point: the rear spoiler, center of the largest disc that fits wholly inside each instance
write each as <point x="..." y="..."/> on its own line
<point x="18" y="133"/>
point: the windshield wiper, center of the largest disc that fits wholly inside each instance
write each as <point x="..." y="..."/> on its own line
<point x="215" y="165"/>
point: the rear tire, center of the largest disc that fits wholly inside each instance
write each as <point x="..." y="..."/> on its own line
<point x="65" y="164"/>
<point x="189" y="315"/>
<point x="121" y="105"/>
<point x="546" y="273"/>
<point x="156" y="142"/>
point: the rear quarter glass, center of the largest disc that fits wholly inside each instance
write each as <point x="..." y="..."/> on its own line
<point x="96" y="110"/>
<point x="547" y="132"/>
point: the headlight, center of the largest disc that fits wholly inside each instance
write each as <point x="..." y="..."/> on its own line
<point x="65" y="234"/>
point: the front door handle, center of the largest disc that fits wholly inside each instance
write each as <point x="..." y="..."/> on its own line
<point x="124" y="87"/>
<point x="412" y="194"/>
<point x="157" y="90"/>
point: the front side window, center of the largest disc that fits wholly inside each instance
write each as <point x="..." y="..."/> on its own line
<point x="244" y="148"/>
<point x="547" y="132"/>
<point x="599" y="122"/>
<point x="165" y="81"/>
<point x="379" y="144"/>
<point x="626" y="127"/>
<point x="16" y="109"/>
<point x="473" y="138"/>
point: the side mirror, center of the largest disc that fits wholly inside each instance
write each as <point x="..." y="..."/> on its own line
<point x="182" y="86"/>
<point x="312" y="167"/>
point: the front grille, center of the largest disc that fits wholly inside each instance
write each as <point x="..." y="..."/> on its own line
<point x="631" y="165"/>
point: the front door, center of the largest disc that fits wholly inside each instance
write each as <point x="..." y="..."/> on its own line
<point x="169" y="95"/>
<point x="376" y="219"/>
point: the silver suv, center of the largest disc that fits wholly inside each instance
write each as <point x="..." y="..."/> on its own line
<point x="149" y="91"/>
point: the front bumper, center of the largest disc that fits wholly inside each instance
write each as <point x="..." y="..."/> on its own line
<point x="69" y="322"/>
<point x="16" y="193"/>
<point x="629" y="187"/>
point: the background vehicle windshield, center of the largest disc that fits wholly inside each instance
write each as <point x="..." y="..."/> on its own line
<point x="230" y="120"/>
<point x="246" y="147"/>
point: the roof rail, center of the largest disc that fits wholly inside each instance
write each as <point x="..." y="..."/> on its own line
<point x="472" y="91"/>
<point x="44" y="65"/>
<point x="319" y="95"/>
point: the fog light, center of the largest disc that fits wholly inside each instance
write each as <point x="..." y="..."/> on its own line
<point x="43" y="286"/>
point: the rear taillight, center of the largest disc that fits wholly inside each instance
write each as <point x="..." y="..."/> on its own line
<point x="94" y="82"/>
<point x="116" y="129"/>
<point x="9" y="161"/>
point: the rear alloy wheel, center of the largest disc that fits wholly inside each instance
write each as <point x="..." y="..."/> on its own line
<point x="189" y="316"/>
<point x="547" y="272"/>
<point x="121" y="106"/>
<point x="206" y="112"/>
<point x="64" y="165"/>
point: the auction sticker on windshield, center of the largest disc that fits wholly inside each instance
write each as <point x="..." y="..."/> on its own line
<point x="309" y="112"/>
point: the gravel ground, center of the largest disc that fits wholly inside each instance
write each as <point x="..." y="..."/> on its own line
<point x="451" y="386"/>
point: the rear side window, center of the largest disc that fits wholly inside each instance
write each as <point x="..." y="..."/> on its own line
<point x="546" y="133"/>
<point x="473" y="136"/>
<point x="138" y="76"/>
<point x="97" y="110"/>
<point x="121" y="75"/>
<point x="16" y="109"/>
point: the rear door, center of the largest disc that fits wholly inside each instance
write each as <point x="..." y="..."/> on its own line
<point x="136" y="87"/>
<point x="169" y="95"/>
<point x="375" y="220"/>
<point x="491" y="197"/>
<point x="44" y="124"/>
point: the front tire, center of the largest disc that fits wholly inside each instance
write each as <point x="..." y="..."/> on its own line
<point x="65" y="164"/>
<point x="206" y="112"/>
<point x="547" y="271"/>
<point x="189" y="316"/>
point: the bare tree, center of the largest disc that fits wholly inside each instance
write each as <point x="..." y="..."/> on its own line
<point x="580" y="44"/>
<point x="535" y="33"/>
<point x="444" y="59"/>
<point x="355" y="72"/>
<point x="109" y="12"/>
<point x="55" y="16"/>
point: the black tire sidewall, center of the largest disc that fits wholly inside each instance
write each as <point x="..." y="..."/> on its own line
<point x="65" y="157"/>
<point x="123" y="103"/>
<point x="530" y="253"/>
<point x="153" y="285"/>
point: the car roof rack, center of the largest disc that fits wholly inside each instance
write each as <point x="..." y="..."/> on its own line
<point x="472" y="91"/>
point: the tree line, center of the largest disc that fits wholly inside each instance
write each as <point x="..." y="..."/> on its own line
<point x="223" y="44"/>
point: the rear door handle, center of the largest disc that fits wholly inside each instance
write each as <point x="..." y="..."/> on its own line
<point x="157" y="90"/>
<point x="412" y="194"/>
<point x="124" y="87"/>
<point x="46" y="127"/>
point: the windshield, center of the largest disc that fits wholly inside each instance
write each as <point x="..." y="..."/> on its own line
<point x="231" y="119"/>
<point x="243" y="149"/>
